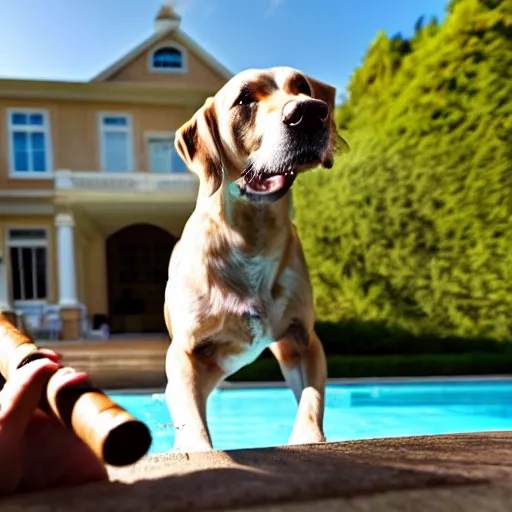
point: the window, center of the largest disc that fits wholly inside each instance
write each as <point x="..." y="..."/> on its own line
<point x="167" y="59"/>
<point x="29" y="141"/>
<point x="163" y="157"/>
<point x="116" y="142"/>
<point x="28" y="252"/>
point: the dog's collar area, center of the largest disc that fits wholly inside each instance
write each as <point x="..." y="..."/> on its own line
<point x="251" y="314"/>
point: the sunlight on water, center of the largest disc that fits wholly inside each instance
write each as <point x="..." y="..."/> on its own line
<point x="254" y="418"/>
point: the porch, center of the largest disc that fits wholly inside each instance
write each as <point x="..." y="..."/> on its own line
<point x="99" y="267"/>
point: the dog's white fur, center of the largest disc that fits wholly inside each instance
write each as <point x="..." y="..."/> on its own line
<point x="238" y="281"/>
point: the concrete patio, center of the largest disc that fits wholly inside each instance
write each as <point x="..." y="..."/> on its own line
<point x="422" y="474"/>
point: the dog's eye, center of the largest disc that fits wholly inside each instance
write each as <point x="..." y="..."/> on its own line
<point x="304" y="88"/>
<point x="245" y="98"/>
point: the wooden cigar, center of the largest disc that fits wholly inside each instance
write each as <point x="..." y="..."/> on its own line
<point x="112" y="433"/>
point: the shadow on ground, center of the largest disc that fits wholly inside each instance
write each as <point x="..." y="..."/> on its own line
<point x="462" y="467"/>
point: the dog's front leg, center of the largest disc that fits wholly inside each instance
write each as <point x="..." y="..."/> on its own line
<point x="189" y="383"/>
<point x="305" y="371"/>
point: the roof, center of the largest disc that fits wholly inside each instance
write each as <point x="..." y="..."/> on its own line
<point x="181" y="38"/>
<point x="113" y="92"/>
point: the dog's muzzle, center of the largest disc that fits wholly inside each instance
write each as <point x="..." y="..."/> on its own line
<point x="307" y="117"/>
<point x="305" y="137"/>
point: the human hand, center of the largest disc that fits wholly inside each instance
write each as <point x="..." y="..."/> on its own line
<point x="37" y="451"/>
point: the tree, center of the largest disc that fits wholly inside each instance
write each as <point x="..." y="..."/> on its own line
<point x="413" y="227"/>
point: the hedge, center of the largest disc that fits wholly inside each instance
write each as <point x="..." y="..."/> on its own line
<point x="412" y="229"/>
<point x="476" y="363"/>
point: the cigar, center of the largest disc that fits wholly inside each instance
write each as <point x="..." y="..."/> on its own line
<point x="111" y="432"/>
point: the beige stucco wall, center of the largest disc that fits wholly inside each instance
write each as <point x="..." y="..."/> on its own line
<point x="74" y="136"/>
<point x="197" y="72"/>
<point x="75" y="146"/>
<point x="90" y="256"/>
<point x="95" y="285"/>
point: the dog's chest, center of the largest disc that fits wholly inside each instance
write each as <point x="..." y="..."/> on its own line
<point x="256" y="333"/>
<point x="259" y="324"/>
<point x="255" y="313"/>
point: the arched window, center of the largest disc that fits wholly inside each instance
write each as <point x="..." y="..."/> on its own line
<point x="167" y="59"/>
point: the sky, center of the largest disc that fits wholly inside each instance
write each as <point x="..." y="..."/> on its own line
<point x="73" y="40"/>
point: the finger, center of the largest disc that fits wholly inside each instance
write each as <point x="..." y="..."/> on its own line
<point x="22" y="394"/>
<point x="50" y="354"/>
<point x="66" y="377"/>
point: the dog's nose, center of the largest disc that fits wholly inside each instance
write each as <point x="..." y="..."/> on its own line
<point x="307" y="116"/>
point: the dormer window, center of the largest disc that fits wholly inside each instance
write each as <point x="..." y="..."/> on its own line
<point x="168" y="59"/>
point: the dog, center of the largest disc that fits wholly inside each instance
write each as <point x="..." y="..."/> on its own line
<point x="238" y="280"/>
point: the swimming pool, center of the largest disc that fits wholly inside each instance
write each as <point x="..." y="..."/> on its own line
<point x="263" y="417"/>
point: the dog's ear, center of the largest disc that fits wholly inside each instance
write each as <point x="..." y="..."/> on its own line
<point x="198" y="144"/>
<point x="327" y="93"/>
<point x="324" y="92"/>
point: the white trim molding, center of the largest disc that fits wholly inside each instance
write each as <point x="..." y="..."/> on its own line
<point x="64" y="219"/>
<point x="41" y="193"/>
<point x="169" y="71"/>
<point x="45" y="129"/>
<point x="24" y="208"/>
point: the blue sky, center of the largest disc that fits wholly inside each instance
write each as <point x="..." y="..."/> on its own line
<point x="73" y="40"/>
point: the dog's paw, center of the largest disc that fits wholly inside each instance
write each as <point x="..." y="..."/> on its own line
<point x="191" y="446"/>
<point x="307" y="437"/>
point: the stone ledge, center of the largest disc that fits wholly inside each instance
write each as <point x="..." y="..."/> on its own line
<point x="117" y="364"/>
<point x="471" y="472"/>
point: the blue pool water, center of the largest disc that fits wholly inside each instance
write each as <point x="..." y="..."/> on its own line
<point x="254" y="418"/>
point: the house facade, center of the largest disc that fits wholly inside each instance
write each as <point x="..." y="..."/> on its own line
<point x="93" y="195"/>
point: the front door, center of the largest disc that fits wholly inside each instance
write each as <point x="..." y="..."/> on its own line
<point x="137" y="263"/>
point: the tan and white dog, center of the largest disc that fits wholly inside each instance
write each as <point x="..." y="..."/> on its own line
<point x="238" y="280"/>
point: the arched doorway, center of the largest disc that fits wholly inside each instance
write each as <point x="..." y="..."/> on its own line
<point x="137" y="262"/>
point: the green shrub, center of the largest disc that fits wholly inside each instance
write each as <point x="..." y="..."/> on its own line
<point x="476" y="363"/>
<point x="411" y="232"/>
<point x="356" y="337"/>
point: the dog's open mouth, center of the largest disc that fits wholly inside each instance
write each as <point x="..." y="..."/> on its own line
<point x="266" y="187"/>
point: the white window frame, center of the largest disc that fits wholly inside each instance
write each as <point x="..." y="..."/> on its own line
<point x="160" y="136"/>
<point x="32" y="244"/>
<point x="169" y="71"/>
<point x="46" y="129"/>
<point x="125" y="129"/>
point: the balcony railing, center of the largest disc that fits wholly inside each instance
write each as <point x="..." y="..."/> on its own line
<point x="136" y="182"/>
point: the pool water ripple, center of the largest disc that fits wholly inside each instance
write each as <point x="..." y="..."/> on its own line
<point x="263" y="417"/>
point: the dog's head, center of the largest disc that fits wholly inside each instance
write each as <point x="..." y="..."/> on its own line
<point x="260" y="130"/>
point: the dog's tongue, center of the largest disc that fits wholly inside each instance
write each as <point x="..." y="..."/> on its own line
<point x="266" y="185"/>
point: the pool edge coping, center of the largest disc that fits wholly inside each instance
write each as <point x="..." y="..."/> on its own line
<point x="347" y="381"/>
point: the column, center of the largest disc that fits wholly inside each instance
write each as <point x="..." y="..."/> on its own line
<point x="68" y="302"/>
<point x="5" y="306"/>
<point x="66" y="259"/>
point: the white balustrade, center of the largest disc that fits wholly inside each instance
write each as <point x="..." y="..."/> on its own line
<point x="124" y="182"/>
